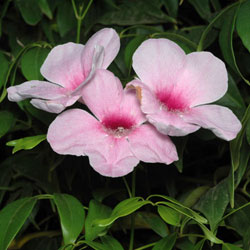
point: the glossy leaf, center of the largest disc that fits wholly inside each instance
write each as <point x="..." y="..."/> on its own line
<point x="72" y="214"/>
<point x="7" y="120"/>
<point x="166" y="243"/>
<point x="228" y="246"/>
<point x="32" y="61"/>
<point x="181" y="208"/>
<point x="199" y="245"/>
<point x="172" y="7"/>
<point x="30" y="11"/>
<point x="131" y="47"/>
<point x="65" y="18"/>
<point x="12" y="217"/>
<point x="242" y="24"/>
<point x="111" y="243"/>
<point x="213" y="204"/>
<point x="226" y="40"/>
<point x="45" y="8"/>
<point x="169" y="215"/>
<point x="124" y="208"/>
<point x="155" y="222"/>
<point x="209" y="235"/>
<point x="3" y="68"/>
<point x="26" y="143"/>
<point x="139" y="12"/>
<point x="96" y="211"/>
<point x="202" y="7"/>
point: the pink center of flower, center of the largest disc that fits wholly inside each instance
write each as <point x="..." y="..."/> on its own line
<point x="172" y="102"/>
<point x="118" y="125"/>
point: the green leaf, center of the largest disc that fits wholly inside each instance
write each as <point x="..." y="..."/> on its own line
<point x="228" y="246"/>
<point x="136" y="12"/>
<point x="248" y="131"/>
<point x="26" y="143"/>
<point x="32" y="61"/>
<point x="30" y="11"/>
<point x="111" y="243"/>
<point x="72" y="216"/>
<point x="199" y="245"/>
<point x="96" y="211"/>
<point x="202" y="7"/>
<point x="242" y="24"/>
<point x="212" y="23"/>
<point x="180" y="208"/>
<point x="155" y="222"/>
<point x="209" y="235"/>
<point x="124" y="208"/>
<point x="169" y="215"/>
<point x="12" y="217"/>
<point x="213" y="204"/>
<point x="226" y="40"/>
<point x="166" y="243"/>
<point x="7" y="120"/>
<point x="44" y="6"/>
<point x="3" y="69"/>
<point x="96" y="245"/>
<point x="235" y="145"/>
<point x="172" y="7"/>
<point x="131" y="47"/>
<point x="65" y="18"/>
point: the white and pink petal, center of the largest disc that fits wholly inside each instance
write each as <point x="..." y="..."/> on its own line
<point x="149" y="145"/>
<point x="221" y="120"/>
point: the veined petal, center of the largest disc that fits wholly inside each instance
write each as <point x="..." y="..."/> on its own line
<point x="157" y="62"/>
<point x="106" y="38"/>
<point x="171" y="123"/>
<point x="203" y="78"/>
<point x="72" y="130"/>
<point x="54" y="106"/>
<point x="63" y="65"/>
<point x="147" y="98"/>
<point x="149" y="145"/>
<point x="35" y="89"/>
<point x="104" y="94"/>
<point x="112" y="157"/>
<point x="131" y="105"/>
<point x="220" y="120"/>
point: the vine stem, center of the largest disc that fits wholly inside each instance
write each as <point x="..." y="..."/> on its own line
<point x="132" y="231"/>
<point x="79" y="17"/>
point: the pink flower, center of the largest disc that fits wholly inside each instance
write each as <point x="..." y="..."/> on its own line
<point x="116" y="139"/>
<point x="174" y="89"/>
<point x="68" y="68"/>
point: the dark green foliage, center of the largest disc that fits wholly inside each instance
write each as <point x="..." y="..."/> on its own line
<point x="200" y="202"/>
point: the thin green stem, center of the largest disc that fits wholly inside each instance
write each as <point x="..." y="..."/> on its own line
<point x="146" y="246"/>
<point x="132" y="232"/>
<point x="127" y="187"/>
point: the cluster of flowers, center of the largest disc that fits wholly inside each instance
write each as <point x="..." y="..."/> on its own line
<point x="131" y="124"/>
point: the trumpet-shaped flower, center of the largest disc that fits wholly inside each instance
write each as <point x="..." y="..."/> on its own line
<point x="175" y="90"/>
<point x="68" y="68"/>
<point x="116" y="138"/>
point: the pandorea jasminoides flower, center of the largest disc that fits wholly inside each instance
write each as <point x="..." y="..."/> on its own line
<point x="174" y="90"/>
<point x="115" y="139"/>
<point x="68" y="68"/>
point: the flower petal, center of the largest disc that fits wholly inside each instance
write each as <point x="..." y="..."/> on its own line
<point x="72" y="130"/>
<point x="220" y="120"/>
<point x="149" y="145"/>
<point x="63" y="65"/>
<point x="104" y="94"/>
<point x="109" y="40"/>
<point x="203" y="79"/>
<point x="35" y="89"/>
<point x="112" y="157"/>
<point x="171" y="123"/>
<point x="157" y="62"/>
<point x="54" y="106"/>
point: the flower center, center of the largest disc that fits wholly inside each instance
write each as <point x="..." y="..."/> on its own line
<point x="118" y="125"/>
<point x="172" y="102"/>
